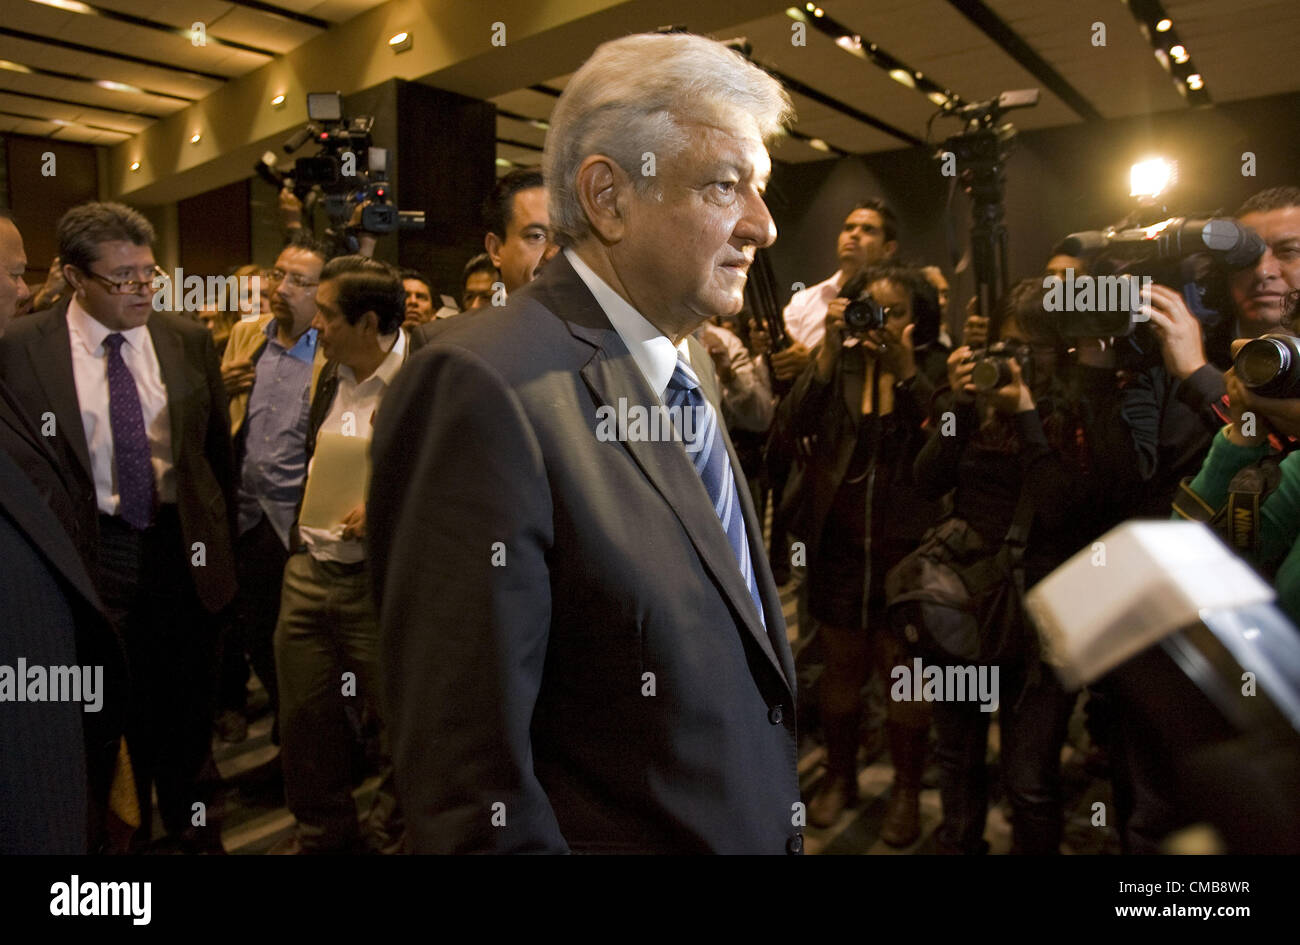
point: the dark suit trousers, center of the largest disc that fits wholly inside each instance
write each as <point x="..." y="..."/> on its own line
<point x="328" y="628"/>
<point x="259" y="564"/>
<point x="145" y="582"/>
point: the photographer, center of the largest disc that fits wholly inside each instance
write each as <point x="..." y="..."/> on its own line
<point x="1245" y="441"/>
<point x="1051" y="433"/>
<point x="861" y="404"/>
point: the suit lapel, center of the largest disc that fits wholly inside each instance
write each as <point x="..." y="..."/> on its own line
<point x="51" y="354"/>
<point x="612" y="374"/>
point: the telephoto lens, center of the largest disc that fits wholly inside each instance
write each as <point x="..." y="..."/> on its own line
<point x="1270" y="365"/>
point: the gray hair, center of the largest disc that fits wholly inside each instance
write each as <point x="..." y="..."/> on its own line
<point x="633" y="96"/>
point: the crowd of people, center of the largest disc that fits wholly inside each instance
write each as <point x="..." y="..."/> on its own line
<point x="541" y="641"/>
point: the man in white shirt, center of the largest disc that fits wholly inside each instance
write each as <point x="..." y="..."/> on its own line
<point x="136" y="414"/>
<point x="583" y="646"/>
<point x="326" y="641"/>
<point x="870" y="234"/>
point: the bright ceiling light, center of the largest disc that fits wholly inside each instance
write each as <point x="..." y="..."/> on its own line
<point x="400" y="42"/>
<point x="196" y="138"/>
<point x="502" y="162"/>
<point x="277" y="101"/>
<point x="819" y="144"/>
<point x="938" y="98"/>
<point x="1150" y="178"/>
<point x="1179" y="53"/>
<point x="819" y="12"/>
<point x="903" y="77"/>
<point x="72" y="6"/>
<point x="13" y="66"/>
<point x="539" y="124"/>
<point x="1165" y="25"/>
<point x="135" y="166"/>
<point x="116" y="86"/>
<point x="1195" y="82"/>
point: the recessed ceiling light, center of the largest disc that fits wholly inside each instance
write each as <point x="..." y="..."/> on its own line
<point x="903" y="76"/>
<point x="819" y="12"/>
<point x="938" y="98"/>
<point x="1179" y="53"/>
<point x="72" y="6"/>
<point x="277" y="101"/>
<point x="1195" y="82"/>
<point x="539" y="124"/>
<point x="116" y="86"/>
<point x="819" y="144"/>
<point x="13" y="66"/>
<point x="1165" y="25"/>
<point x="502" y="162"/>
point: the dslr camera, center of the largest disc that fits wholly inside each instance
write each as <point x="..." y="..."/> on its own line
<point x="863" y="315"/>
<point x="993" y="365"/>
<point x="1270" y="365"/>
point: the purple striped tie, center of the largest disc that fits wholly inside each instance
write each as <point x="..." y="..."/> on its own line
<point x="702" y="438"/>
<point x="135" y="484"/>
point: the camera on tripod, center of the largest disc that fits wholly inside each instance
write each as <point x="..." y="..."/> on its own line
<point x="346" y="172"/>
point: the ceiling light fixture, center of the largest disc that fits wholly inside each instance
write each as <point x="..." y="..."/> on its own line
<point x="400" y="42"/>
<point x="1179" y="53"/>
<point x="1195" y="82"/>
<point x="72" y="6"/>
<point x="819" y="144"/>
<point x="135" y="166"/>
<point x="196" y="138"/>
<point x="117" y="86"/>
<point x="13" y="66"/>
<point x="278" y="101"/>
<point x="1165" y="25"/>
<point x="903" y="77"/>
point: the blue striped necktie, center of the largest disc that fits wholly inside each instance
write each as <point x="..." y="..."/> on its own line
<point x="707" y="451"/>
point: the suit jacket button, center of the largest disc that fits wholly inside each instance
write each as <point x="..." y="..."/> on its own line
<point x="794" y="844"/>
<point x="774" y="715"/>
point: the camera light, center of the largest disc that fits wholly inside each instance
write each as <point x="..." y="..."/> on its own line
<point x="1150" y="178"/>
<point x="1195" y="82"/>
<point x="277" y="101"/>
<point x="1165" y="25"/>
<point x="1179" y="53"/>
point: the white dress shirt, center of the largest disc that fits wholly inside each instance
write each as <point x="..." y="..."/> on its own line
<point x="90" y="372"/>
<point x="805" y="314"/>
<point x="652" y="350"/>
<point x="747" y="401"/>
<point x="361" y="400"/>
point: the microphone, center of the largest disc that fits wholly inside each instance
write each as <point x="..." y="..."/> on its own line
<point x="1236" y="245"/>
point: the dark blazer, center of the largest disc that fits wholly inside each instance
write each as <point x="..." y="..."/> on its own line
<point x="36" y="361"/>
<point x="50" y="615"/>
<point x="606" y="685"/>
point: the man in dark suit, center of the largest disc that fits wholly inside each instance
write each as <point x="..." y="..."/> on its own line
<point x="58" y="756"/>
<point x="136" y="410"/>
<point x="583" y="647"/>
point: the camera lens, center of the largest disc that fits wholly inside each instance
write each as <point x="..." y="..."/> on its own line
<point x="990" y="374"/>
<point x="1270" y="365"/>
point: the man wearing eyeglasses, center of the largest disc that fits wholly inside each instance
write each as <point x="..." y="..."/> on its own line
<point x="271" y="369"/>
<point x="132" y="403"/>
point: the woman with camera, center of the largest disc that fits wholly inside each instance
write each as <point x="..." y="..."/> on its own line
<point x="1041" y="440"/>
<point x="860" y="407"/>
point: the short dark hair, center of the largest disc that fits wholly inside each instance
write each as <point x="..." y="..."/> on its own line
<point x="480" y="263"/>
<point x="418" y="276"/>
<point x="499" y="208"/>
<point x="368" y="285"/>
<point x="887" y="219"/>
<point x="83" y="228"/>
<point x="1275" y="198"/>
<point x="304" y="240"/>
<point x="926" y="314"/>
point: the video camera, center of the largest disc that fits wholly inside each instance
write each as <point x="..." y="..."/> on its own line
<point x="1192" y="256"/>
<point x="348" y="170"/>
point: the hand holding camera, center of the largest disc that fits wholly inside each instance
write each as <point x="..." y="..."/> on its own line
<point x="1265" y="379"/>
<point x="961" y="363"/>
<point x="1014" y="396"/>
<point x="832" y="341"/>
<point x="1177" y="329"/>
